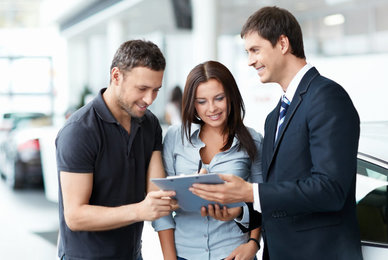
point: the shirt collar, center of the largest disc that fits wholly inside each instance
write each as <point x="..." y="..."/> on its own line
<point x="104" y="113"/>
<point x="102" y="109"/>
<point x="195" y="131"/>
<point x="291" y="89"/>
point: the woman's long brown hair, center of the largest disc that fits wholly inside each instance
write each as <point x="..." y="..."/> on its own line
<point x="236" y="109"/>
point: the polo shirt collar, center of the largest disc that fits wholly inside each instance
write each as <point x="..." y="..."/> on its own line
<point x="104" y="112"/>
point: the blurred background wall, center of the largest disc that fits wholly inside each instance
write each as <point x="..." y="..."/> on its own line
<point x="55" y="55"/>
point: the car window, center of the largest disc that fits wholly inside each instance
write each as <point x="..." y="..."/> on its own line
<point x="372" y="211"/>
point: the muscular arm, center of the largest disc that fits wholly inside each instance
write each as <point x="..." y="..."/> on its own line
<point x="80" y="215"/>
<point x="155" y="170"/>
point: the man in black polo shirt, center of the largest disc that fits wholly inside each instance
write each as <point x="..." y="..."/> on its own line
<point x="106" y="154"/>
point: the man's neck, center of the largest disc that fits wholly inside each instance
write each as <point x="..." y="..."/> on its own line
<point x="121" y="116"/>
<point x="292" y="68"/>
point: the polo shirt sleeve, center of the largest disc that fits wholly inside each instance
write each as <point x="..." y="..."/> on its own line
<point x="158" y="137"/>
<point x="75" y="149"/>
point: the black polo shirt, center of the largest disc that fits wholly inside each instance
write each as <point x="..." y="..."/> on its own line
<point x="92" y="141"/>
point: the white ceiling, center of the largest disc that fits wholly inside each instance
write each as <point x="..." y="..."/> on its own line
<point x="362" y="17"/>
<point x="19" y="13"/>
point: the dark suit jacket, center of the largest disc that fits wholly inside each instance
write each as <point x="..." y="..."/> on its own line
<point x="308" y="195"/>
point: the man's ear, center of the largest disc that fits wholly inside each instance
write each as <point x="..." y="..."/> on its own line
<point x="284" y="44"/>
<point x="115" y="75"/>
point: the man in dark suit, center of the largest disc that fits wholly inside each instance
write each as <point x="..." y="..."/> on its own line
<point x="307" y="200"/>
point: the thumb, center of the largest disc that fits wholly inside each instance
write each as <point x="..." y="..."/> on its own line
<point x="161" y="193"/>
<point x="202" y="171"/>
<point x="230" y="257"/>
<point x="227" y="177"/>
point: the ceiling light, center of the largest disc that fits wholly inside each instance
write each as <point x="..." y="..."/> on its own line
<point x="334" y="19"/>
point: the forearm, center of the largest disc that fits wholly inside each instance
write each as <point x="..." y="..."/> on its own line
<point x="167" y="242"/>
<point x="248" y="193"/>
<point x="99" y="218"/>
<point x="254" y="239"/>
<point x="256" y="233"/>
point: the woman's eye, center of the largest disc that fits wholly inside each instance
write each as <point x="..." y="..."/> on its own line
<point x="201" y="102"/>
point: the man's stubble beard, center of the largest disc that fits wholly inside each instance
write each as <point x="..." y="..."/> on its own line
<point x="128" y="110"/>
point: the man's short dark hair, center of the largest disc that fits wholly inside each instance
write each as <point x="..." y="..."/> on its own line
<point x="272" y="22"/>
<point x="138" y="53"/>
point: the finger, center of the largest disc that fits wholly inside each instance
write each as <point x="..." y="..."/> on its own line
<point x="217" y="212"/>
<point x="161" y="193"/>
<point x="204" y="212"/>
<point x="203" y="194"/>
<point x="174" y="204"/>
<point x="175" y="207"/>
<point x="230" y="257"/>
<point x="207" y="187"/>
<point x="210" y="210"/>
<point x="163" y="214"/>
<point x="202" y="171"/>
<point x="228" y="177"/>
<point x="161" y="209"/>
<point x="225" y="212"/>
<point x="161" y="202"/>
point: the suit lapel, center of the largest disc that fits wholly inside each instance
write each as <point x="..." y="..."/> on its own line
<point x="273" y="123"/>
<point x="269" y="136"/>
<point x="296" y="101"/>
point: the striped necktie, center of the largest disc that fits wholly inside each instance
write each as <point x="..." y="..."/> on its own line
<point x="283" y="110"/>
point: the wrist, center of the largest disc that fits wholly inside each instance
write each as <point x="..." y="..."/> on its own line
<point x="255" y="241"/>
<point x="134" y="210"/>
<point x="249" y="193"/>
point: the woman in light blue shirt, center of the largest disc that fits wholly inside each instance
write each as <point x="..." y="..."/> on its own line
<point x="212" y="131"/>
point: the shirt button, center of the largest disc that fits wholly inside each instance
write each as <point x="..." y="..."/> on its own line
<point x="205" y="235"/>
<point x="207" y="250"/>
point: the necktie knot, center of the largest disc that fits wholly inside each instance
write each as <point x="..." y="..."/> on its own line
<point x="283" y="107"/>
<point x="282" y="114"/>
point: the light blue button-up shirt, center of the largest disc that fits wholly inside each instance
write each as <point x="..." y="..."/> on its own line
<point x="198" y="237"/>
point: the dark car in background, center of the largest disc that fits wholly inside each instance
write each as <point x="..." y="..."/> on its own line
<point x="20" y="161"/>
<point x="372" y="190"/>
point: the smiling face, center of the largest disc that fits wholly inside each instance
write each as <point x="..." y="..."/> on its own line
<point x="265" y="58"/>
<point x="211" y="104"/>
<point x="136" y="89"/>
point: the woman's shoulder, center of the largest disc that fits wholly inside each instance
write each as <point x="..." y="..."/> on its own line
<point x="173" y="132"/>
<point x="174" y="129"/>
<point x="256" y="136"/>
